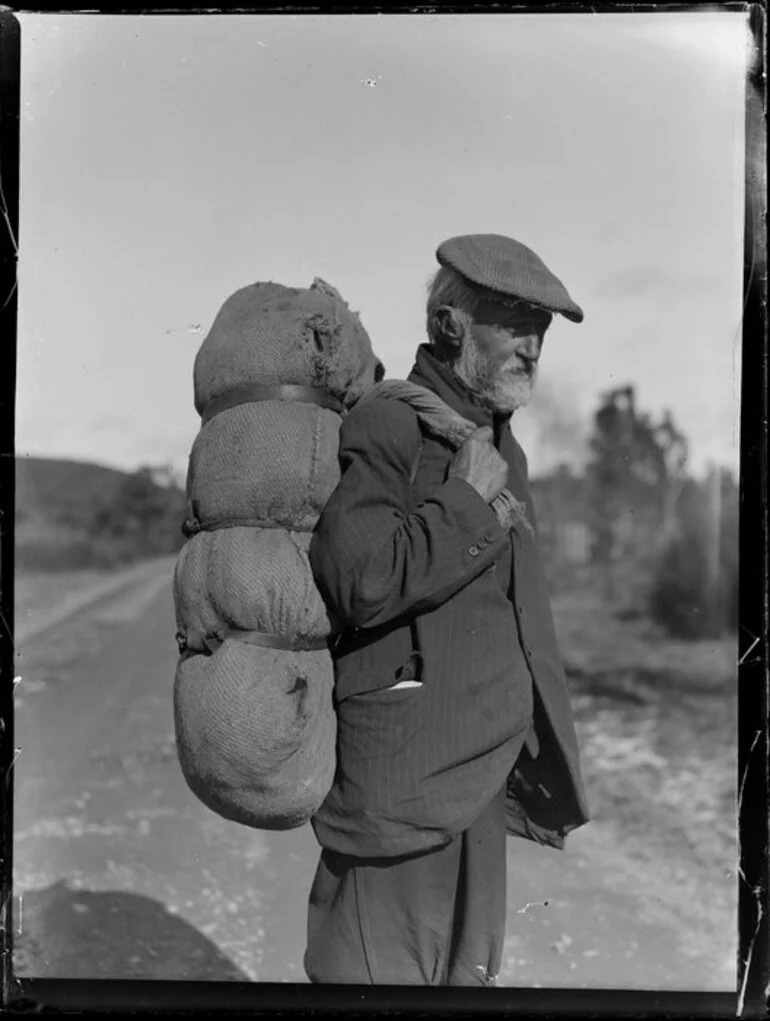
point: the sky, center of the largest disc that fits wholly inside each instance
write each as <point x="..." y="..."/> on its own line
<point x="167" y="161"/>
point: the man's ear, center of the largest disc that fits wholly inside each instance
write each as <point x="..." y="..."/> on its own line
<point x="451" y="326"/>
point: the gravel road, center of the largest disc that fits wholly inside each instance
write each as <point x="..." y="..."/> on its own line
<point x="121" y="873"/>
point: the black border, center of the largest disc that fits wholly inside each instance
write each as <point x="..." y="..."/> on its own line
<point x="751" y="998"/>
<point x="362" y="8"/>
<point x="272" y="998"/>
<point x="10" y="68"/>
<point x="754" y="792"/>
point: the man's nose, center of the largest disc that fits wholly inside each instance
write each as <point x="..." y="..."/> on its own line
<point x="529" y="347"/>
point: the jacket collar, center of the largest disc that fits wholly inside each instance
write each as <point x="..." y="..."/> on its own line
<point x="436" y="375"/>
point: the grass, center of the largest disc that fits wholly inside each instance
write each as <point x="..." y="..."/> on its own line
<point x="657" y="725"/>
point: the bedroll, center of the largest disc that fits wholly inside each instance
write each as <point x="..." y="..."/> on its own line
<point x="255" y="726"/>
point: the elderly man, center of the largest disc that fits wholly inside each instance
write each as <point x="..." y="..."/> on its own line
<point x="455" y="725"/>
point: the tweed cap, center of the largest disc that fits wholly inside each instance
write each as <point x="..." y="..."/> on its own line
<point x="507" y="269"/>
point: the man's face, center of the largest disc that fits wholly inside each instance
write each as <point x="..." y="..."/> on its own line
<point x="500" y="352"/>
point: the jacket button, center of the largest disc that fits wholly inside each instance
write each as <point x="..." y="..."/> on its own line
<point x="474" y="551"/>
<point x="489" y="537"/>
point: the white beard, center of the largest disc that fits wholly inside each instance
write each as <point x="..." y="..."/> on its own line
<point x="501" y="389"/>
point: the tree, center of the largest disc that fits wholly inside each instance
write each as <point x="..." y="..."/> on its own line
<point x="143" y="517"/>
<point x="634" y="472"/>
<point x="695" y="589"/>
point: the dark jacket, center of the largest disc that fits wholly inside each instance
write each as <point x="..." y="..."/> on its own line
<point x="426" y="585"/>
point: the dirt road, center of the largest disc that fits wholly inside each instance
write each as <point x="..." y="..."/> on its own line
<point x="121" y="873"/>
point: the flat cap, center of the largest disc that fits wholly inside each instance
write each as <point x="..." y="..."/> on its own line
<point x="509" y="269"/>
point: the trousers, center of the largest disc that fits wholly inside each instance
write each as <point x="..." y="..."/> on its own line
<point x="437" y="918"/>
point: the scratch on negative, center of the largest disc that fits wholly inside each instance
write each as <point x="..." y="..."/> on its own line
<point x="746" y="770"/>
<point x="16" y="754"/>
<point x="748" y="652"/>
<point x="755" y="891"/>
<point x="6" y="626"/>
<point x="11" y="293"/>
<point x="5" y="910"/>
<point x="747" y="963"/>
<point x="7" y="219"/>
<point x="532" y="904"/>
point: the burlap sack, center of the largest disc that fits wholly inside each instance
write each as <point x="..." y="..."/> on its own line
<point x="255" y="725"/>
<point x="250" y="579"/>
<point x="256" y="732"/>
<point x="271" y="461"/>
<point x="267" y="333"/>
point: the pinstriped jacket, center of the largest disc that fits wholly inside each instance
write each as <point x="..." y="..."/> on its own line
<point x="426" y="585"/>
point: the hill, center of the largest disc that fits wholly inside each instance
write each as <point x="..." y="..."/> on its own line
<point x="74" y="514"/>
<point x="63" y="491"/>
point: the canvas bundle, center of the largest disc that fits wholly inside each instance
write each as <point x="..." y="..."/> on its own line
<point x="255" y="725"/>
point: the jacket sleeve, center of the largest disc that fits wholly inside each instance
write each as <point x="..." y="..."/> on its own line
<point x="375" y="562"/>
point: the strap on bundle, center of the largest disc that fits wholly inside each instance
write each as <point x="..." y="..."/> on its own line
<point x="208" y="643"/>
<point x="191" y="526"/>
<point x="253" y="394"/>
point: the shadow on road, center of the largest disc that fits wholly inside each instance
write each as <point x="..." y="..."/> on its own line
<point x="79" y="934"/>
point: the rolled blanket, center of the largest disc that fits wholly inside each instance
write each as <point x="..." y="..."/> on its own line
<point x="255" y="726"/>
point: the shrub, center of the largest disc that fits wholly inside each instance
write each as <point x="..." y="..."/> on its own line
<point x="694" y="591"/>
<point x="142" y="518"/>
<point x="135" y="517"/>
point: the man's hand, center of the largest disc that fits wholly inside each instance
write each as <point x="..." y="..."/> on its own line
<point x="480" y="464"/>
